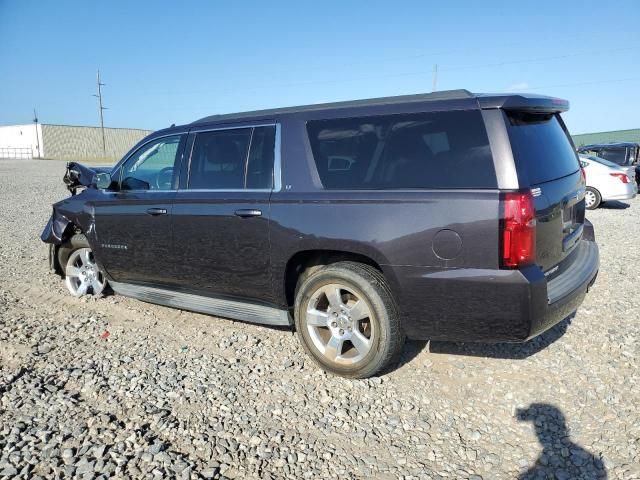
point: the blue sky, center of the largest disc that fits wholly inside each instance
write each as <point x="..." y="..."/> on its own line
<point x="169" y="62"/>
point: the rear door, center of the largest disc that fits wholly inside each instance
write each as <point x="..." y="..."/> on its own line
<point x="547" y="163"/>
<point x="221" y="212"/>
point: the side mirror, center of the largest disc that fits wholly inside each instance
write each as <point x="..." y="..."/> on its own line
<point x="103" y="181"/>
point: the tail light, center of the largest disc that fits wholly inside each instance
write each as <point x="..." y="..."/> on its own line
<point x="584" y="175"/>
<point x="518" y="229"/>
<point x="620" y="176"/>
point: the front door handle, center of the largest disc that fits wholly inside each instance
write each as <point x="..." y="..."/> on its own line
<point x="248" y="212"/>
<point x="157" y="211"/>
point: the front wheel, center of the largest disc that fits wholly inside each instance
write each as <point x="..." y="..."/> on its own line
<point x="592" y="199"/>
<point x="347" y="320"/>
<point x="82" y="275"/>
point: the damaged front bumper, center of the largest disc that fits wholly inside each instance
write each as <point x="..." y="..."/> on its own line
<point x="55" y="229"/>
<point x="54" y="234"/>
<point x="73" y="214"/>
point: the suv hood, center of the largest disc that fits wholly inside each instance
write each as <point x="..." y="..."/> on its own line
<point x="79" y="176"/>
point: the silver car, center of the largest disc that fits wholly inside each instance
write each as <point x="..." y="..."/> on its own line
<point x="607" y="181"/>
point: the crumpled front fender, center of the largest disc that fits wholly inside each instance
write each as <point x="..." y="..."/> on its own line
<point x="55" y="229"/>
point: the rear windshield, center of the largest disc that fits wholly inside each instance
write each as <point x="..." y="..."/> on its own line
<point x="405" y="151"/>
<point x="541" y="147"/>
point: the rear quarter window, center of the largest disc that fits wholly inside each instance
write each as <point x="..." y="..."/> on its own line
<point x="404" y="151"/>
<point x="541" y="147"/>
<point x="615" y="155"/>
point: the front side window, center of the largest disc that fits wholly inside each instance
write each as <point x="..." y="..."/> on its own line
<point x="405" y="151"/>
<point x="152" y="167"/>
<point x="233" y="159"/>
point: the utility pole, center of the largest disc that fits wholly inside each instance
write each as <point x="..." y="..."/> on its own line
<point x="35" y="121"/>
<point x="435" y="78"/>
<point x="100" y="110"/>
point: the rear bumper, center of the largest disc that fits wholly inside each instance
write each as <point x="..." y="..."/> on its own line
<point x="621" y="192"/>
<point x="566" y="292"/>
<point x="477" y="305"/>
<point x="625" y="196"/>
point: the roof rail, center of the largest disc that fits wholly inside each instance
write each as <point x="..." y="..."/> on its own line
<point x="420" y="97"/>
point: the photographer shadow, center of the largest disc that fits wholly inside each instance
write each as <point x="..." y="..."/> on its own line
<point x="614" y="205"/>
<point x="560" y="458"/>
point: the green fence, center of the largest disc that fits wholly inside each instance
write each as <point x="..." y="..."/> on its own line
<point x="632" y="135"/>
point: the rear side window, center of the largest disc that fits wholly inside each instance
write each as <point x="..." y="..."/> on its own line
<point x="408" y="151"/>
<point x="233" y="159"/>
<point x="541" y="146"/>
<point x="615" y="155"/>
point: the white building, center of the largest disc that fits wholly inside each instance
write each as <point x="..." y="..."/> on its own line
<point x="21" y="141"/>
<point x="66" y="142"/>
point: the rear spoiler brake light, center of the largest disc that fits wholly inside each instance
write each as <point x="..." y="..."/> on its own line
<point x="525" y="103"/>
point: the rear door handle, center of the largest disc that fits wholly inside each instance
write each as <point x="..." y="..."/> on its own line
<point x="248" y="212"/>
<point x="157" y="211"/>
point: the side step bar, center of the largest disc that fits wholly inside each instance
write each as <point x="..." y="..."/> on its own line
<point x="237" y="310"/>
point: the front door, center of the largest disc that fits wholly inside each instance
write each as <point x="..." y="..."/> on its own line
<point x="133" y="221"/>
<point x="221" y="213"/>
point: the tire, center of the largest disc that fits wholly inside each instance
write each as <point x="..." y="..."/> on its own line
<point x="592" y="198"/>
<point x="351" y="342"/>
<point x="76" y="253"/>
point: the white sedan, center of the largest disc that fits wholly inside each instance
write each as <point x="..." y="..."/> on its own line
<point x="607" y="181"/>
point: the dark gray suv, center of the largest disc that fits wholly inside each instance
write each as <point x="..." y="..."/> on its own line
<point x="452" y="216"/>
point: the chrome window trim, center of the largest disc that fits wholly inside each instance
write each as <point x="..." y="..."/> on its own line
<point x="235" y="127"/>
<point x="124" y="192"/>
<point x="277" y="159"/>
<point x="246" y="162"/>
<point x="230" y="190"/>
<point x="501" y="151"/>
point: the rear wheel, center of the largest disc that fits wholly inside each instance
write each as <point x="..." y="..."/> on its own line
<point x="347" y="320"/>
<point x="82" y="275"/>
<point x="592" y="199"/>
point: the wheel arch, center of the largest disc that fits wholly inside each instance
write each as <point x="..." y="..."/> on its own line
<point x="304" y="260"/>
<point x="66" y="234"/>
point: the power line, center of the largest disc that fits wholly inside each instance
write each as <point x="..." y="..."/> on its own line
<point x="540" y="59"/>
<point x="377" y="59"/>
<point x="416" y="73"/>
<point x="597" y="82"/>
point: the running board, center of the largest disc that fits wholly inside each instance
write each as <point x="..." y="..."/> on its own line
<point x="237" y="310"/>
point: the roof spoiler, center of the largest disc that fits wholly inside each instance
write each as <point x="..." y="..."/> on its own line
<point x="527" y="103"/>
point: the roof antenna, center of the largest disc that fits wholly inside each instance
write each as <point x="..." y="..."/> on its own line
<point x="172" y="125"/>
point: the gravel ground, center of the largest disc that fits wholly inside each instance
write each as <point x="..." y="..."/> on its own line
<point x="95" y="388"/>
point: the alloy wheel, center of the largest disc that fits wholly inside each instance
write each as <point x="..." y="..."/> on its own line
<point x="339" y="323"/>
<point x="82" y="275"/>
